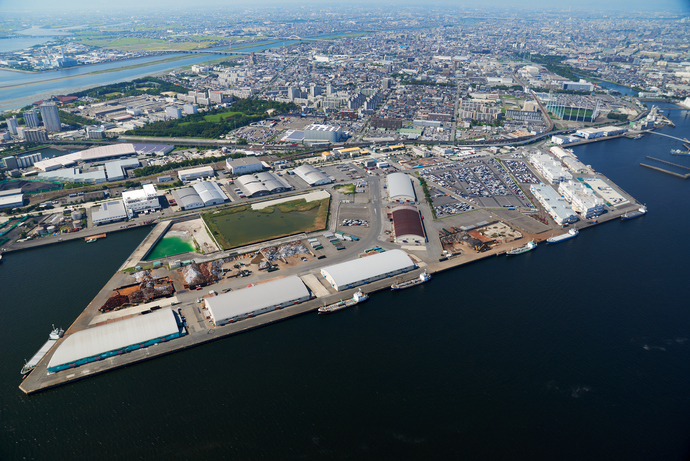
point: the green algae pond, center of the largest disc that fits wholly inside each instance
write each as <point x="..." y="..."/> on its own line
<point x="169" y="246"/>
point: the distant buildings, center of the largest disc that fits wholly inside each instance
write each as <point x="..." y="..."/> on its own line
<point x="195" y="173"/>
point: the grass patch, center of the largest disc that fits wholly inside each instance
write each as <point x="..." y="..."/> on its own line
<point x="346" y="189"/>
<point x="238" y="226"/>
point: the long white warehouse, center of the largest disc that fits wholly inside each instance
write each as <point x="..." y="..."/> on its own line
<point x="256" y="300"/>
<point x="400" y="188"/>
<point x="368" y="269"/>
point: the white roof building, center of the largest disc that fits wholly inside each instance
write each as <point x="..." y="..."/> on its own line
<point x="256" y="300"/>
<point x="243" y="165"/>
<point x="400" y="188"/>
<point x="368" y="269"/>
<point x="582" y="199"/>
<point x="11" y="198"/>
<point x="210" y="193"/>
<point x="549" y="168"/>
<point x="554" y="204"/>
<point x="109" y="212"/>
<point x="265" y="183"/>
<point x="312" y="176"/>
<point x="195" y="173"/>
<point x="106" y="340"/>
<point x="142" y="199"/>
<point x="88" y="155"/>
<point x="187" y="198"/>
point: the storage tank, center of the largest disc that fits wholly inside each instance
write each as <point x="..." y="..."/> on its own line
<point x="50" y="229"/>
<point x="76" y="215"/>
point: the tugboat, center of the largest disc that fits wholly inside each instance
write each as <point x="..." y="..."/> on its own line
<point x="91" y="240"/>
<point x="358" y="297"/>
<point x="531" y="245"/>
<point x="423" y="277"/>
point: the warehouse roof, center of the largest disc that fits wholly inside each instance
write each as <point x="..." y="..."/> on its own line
<point x="353" y="272"/>
<point x="406" y="221"/>
<point x="311" y="175"/>
<point x="250" y="299"/>
<point x="109" y="211"/>
<point x="112" y="336"/>
<point x="187" y="198"/>
<point x="400" y="187"/>
<point x="209" y="192"/>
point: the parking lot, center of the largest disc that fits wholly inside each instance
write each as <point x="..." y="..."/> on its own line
<point x="476" y="183"/>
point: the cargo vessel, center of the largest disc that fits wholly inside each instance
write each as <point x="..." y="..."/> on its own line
<point x="423" y="277"/>
<point x="54" y="335"/>
<point x="356" y="299"/>
<point x="524" y="249"/>
<point x="634" y="214"/>
<point x="572" y="233"/>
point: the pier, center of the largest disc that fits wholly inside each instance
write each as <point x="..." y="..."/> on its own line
<point x="662" y="170"/>
<point x="669" y="163"/>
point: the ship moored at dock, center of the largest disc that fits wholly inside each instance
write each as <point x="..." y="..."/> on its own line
<point x="54" y="335"/>
<point x="358" y="297"/>
<point x="572" y="233"/>
<point x="423" y="277"/>
<point x="634" y="214"/>
<point x="531" y="245"/>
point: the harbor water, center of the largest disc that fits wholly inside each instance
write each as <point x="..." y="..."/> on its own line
<point x="578" y="350"/>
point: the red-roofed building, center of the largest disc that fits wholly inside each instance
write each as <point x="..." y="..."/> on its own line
<point x="407" y="225"/>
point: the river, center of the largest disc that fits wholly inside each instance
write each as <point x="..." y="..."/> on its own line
<point x="573" y="351"/>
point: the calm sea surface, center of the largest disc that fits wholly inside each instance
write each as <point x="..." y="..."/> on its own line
<point x="579" y="350"/>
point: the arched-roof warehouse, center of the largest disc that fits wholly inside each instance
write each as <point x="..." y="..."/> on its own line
<point x="104" y="341"/>
<point x="312" y="176"/>
<point x="187" y="198"/>
<point x="368" y="269"/>
<point x="400" y="188"/>
<point x="407" y="225"/>
<point x="259" y="299"/>
<point x="209" y="193"/>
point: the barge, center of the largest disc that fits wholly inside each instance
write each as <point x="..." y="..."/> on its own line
<point x="423" y="277"/>
<point x="358" y="297"/>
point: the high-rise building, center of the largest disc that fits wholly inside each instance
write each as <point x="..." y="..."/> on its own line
<point x="31" y="118"/>
<point x="12" y="124"/>
<point x="35" y="135"/>
<point x="51" y="118"/>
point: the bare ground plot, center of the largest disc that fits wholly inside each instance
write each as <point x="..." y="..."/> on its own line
<point x="194" y="229"/>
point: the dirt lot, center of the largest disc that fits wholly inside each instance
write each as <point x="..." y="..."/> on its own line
<point x="194" y="228"/>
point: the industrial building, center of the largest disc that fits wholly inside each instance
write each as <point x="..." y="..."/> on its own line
<point x="89" y="155"/>
<point x="210" y="193"/>
<point x="109" y="212"/>
<point x="11" y="198"/>
<point x="244" y="165"/>
<point x="195" y="173"/>
<point x="368" y="269"/>
<point x="262" y="184"/>
<point x="256" y="300"/>
<point x="407" y="225"/>
<point x="187" y="198"/>
<point x="75" y="175"/>
<point x="593" y="133"/>
<point x="582" y="199"/>
<point x="557" y="207"/>
<point x="322" y="133"/>
<point x="312" y="176"/>
<point x="400" y="188"/>
<point x="111" y="339"/>
<point x="142" y="199"/>
<point x="116" y="171"/>
<point x="549" y="168"/>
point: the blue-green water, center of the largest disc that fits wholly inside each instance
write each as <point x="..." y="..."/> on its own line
<point x="575" y="351"/>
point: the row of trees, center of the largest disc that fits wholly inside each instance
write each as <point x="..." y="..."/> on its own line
<point x="146" y="85"/>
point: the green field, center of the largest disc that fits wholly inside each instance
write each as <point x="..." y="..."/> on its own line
<point x="238" y="226"/>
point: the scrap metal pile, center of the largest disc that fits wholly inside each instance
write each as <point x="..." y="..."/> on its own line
<point x="289" y="249"/>
<point x="144" y="290"/>
<point x="203" y="274"/>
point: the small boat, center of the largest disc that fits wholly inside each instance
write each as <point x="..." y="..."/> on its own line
<point x="531" y="245"/>
<point x="572" y="233"/>
<point x="358" y="297"/>
<point x="679" y="152"/>
<point x="634" y="214"/>
<point x="91" y="240"/>
<point x="423" y="277"/>
<point x="639" y="136"/>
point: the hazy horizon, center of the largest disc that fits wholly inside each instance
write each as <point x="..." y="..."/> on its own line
<point x="585" y="6"/>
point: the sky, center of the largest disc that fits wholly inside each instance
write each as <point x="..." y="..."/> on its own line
<point x="579" y="5"/>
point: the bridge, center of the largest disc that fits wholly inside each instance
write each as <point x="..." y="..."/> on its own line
<point x="225" y="53"/>
<point x="668" y="136"/>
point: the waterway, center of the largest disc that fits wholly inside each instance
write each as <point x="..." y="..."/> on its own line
<point x="578" y="350"/>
